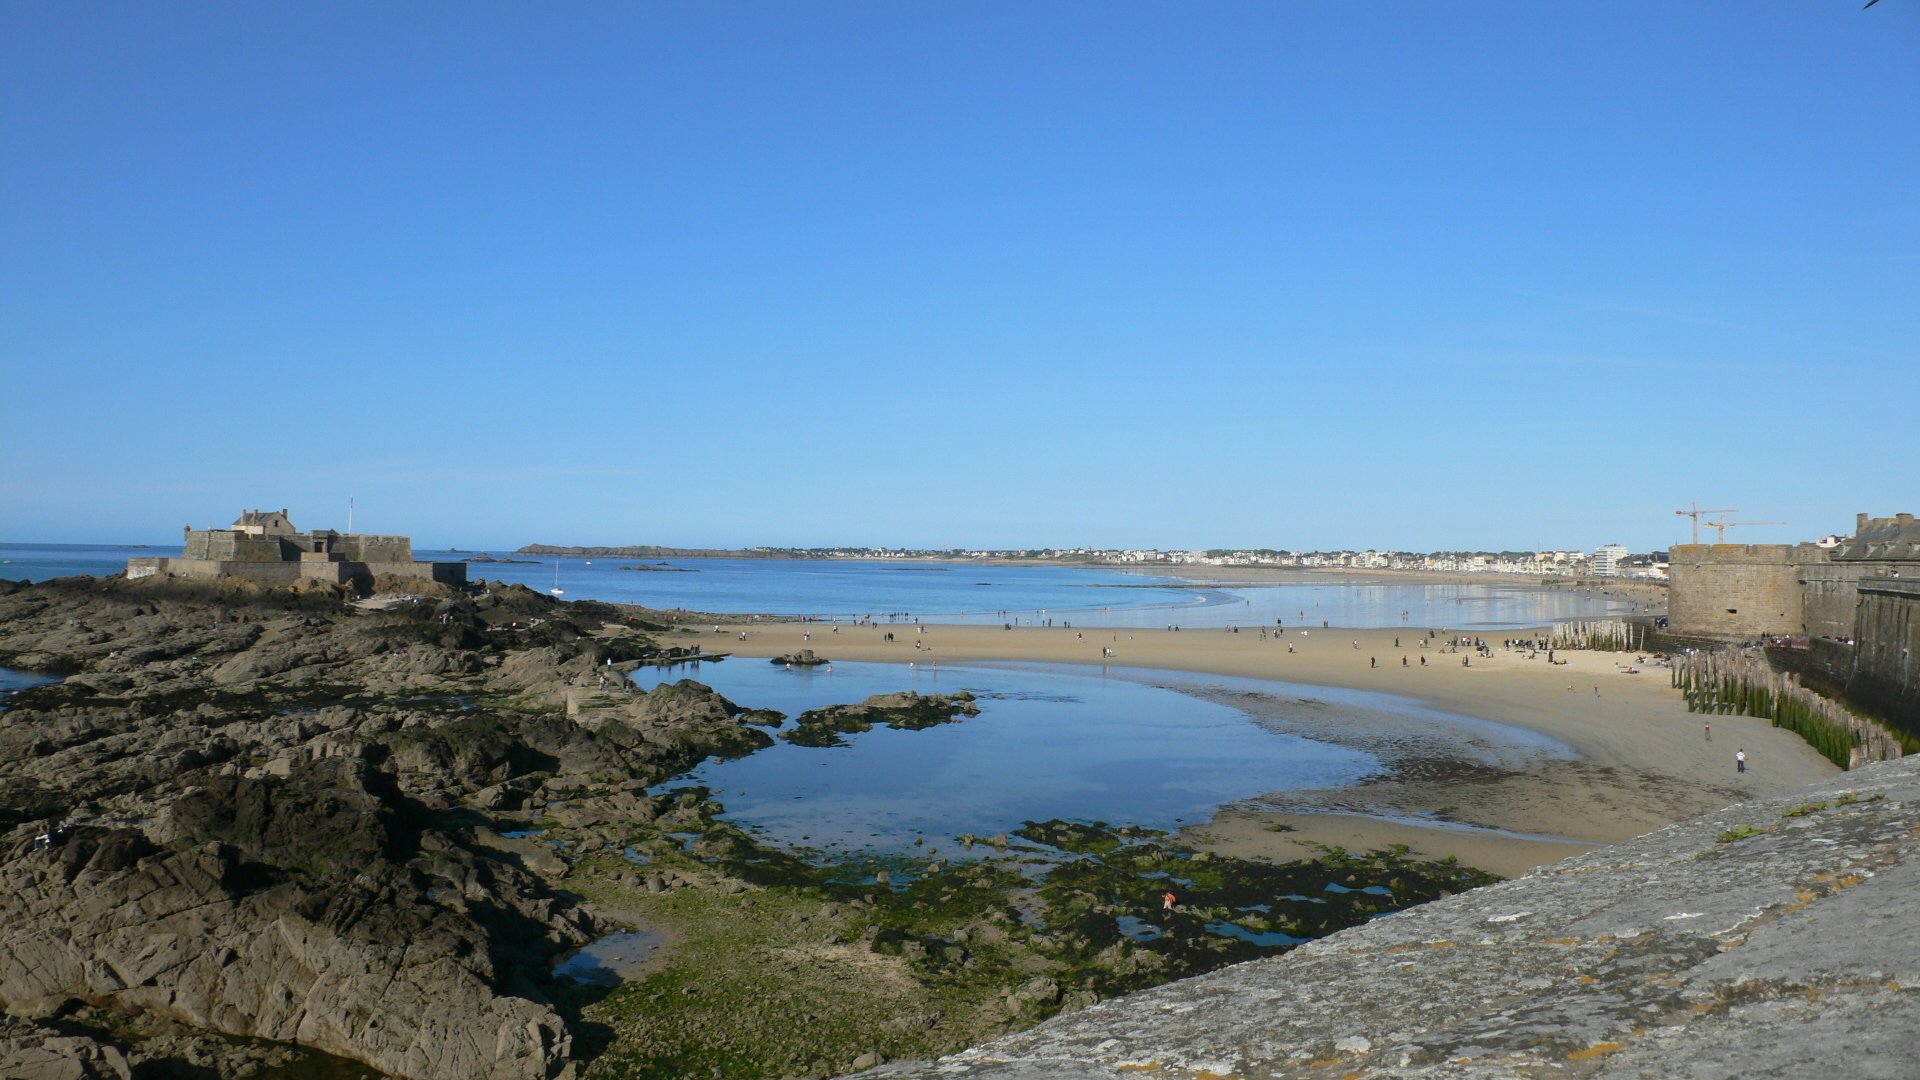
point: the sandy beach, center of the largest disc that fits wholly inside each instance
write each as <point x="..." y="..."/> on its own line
<point x="1634" y="758"/>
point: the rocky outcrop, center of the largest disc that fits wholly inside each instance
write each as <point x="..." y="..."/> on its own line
<point x="904" y="711"/>
<point x="256" y="813"/>
<point x="1771" y="939"/>
<point x="803" y="658"/>
<point x="304" y="920"/>
<point x="30" y="1051"/>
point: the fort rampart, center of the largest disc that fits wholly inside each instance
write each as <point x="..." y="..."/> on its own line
<point x="1736" y="590"/>
<point x="264" y="548"/>
<point x="1856" y="601"/>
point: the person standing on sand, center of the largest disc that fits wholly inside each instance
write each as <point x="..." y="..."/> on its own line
<point x="1706" y="728"/>
<point x="1740" y="761"/>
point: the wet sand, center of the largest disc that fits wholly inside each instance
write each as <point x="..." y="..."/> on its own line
<point x="1638" y="760"/>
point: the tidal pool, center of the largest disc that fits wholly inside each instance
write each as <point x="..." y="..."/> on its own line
<point x="1053" y="743"/>
<point x="12" y="682"/>
<point x="611" y="960"/>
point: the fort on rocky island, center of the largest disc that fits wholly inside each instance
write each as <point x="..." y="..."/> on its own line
<point x="1855" y="600"/>
<point x="262" y="546"/>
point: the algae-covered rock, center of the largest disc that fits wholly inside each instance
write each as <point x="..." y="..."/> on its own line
<point x="905" y="711"/>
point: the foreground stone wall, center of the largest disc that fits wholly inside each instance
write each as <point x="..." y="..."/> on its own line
<point x="1697" y="951"/>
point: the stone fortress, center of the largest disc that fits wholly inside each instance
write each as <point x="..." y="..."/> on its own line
<point x="1854" y="600"/>
<point x="263" y="546"/>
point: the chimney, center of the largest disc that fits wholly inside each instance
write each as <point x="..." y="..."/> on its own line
<point x="1859" y="524"/>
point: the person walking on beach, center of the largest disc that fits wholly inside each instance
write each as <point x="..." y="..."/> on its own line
<point x="1706" y="728"/>
<point x="1740" y="761"/>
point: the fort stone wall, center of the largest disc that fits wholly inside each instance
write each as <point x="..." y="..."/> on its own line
<point x="1735" y="589"/>
<point x="264" y="548"/>
<point x="375" y="549"/>
<point x="1830" y="595"/>
<point x="1886" y="651"/>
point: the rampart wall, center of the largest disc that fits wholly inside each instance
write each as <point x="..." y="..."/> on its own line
<point x="1831" y="592"/>
<point x="221" y="545"/>
<point x="375" y="549"/>
<point x="1735" y="589"/>
<point x="307" y="568"/>
<point x="1886" y="651"/>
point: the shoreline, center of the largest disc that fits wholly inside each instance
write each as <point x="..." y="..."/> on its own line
<point x="1640" y="760"/>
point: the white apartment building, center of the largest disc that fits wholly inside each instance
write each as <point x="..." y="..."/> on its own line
<point x="1607" y="558"/>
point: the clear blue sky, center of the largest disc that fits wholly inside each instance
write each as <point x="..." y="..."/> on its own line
<point x="1422" y="276"/>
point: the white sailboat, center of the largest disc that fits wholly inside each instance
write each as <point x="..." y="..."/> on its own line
<point x="557" y="590"/>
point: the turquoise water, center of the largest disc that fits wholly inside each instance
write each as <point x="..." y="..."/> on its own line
<point x="1047" y="744"/>
<point x="844" y="590"/>
<point x="1121" y="745"/>
<point x="39" y="562"/>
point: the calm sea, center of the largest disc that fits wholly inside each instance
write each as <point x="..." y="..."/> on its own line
<point x="1050" y="742"/>
<point x="845" y="589"/>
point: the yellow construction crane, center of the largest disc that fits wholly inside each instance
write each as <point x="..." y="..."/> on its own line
<point x="1695" y="515"/>
<point x="1723" y="525"/>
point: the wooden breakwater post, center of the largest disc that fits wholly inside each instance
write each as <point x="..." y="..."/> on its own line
<point x="1739" y="681"/>
<point x="1600" y="635"/>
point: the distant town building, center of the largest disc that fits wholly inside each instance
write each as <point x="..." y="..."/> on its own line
<point x="263" y="546"/>
<point x="1608" y="559"/>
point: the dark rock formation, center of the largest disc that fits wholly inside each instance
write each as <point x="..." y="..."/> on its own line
<point x="906" y="711"/>
<point x="259" y="813"/>
<point x="803" y="658"/>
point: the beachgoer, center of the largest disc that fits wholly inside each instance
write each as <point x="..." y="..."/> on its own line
<point x="1740" y="761"/>
<point x="1168" y="900"/>
<point x="1373" y="661"/>
<point x="1706" y="728"/>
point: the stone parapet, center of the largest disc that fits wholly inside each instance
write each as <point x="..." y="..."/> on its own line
<point x="1769" y="939"/>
